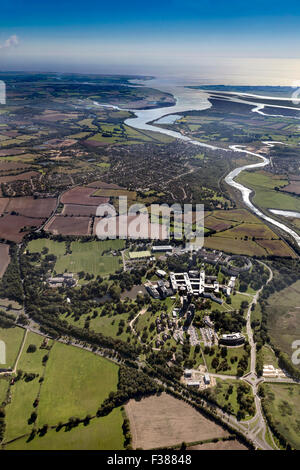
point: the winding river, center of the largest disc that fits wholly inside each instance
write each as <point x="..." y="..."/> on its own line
<point x="195" y="100"/>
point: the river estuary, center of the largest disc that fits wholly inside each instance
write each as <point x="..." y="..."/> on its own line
<point x="196" y="100"/>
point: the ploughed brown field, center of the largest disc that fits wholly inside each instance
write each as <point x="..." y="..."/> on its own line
<point x="69" y="225"/>
<point x="293" y="187"/>
<point x="143" y="230"/>
<point x="12" y="151"/>
<point x="3" y="204"/>
<point x="4" y="258"/>
<point x="12" y="166"/>
<point x="221" y="445"/>
<point x="160" y="421"/>
<point x="30" y="207"/>
<point x="79" y="210"/>
<point x="11" y="226"/>
<point x="21" y="176"/>
<point x="84" y="196"/>
<point x="103" y="185"/>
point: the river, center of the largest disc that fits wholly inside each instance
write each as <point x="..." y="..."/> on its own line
<point x="196" y="100"/>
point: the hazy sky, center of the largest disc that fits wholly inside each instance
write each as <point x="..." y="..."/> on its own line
<point x="196" y="37"/>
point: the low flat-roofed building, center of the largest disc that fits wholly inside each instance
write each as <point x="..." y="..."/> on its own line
<point x="161" y="273"/>
<point x="232" y="339"/>
<point x="194" y="383"/>
<point x="188" y="373"/>
<point x="161" y="248"/>
<point x="206" y="379"/>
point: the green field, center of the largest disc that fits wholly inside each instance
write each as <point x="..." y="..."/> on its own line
<point x="284" y="317"/>
<point x="55" y="248"/>
<point x="283" y="402"/>
<point x="92" y="257"/>
<point x="107" y="325"/>
<point x="12" y="338"/>
<point x="89" y="263"/>
<point x="101" y="434"/>
<point x="231" y="353"/>
<point x="23" y="393"/>
<point x="225" y="399"/>
<point x="76" y="383"/>
<point x="3" y="389"/>
<point x="265" y="195"/>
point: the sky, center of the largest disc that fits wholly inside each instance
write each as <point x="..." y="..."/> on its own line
<point x="196" y="38"/>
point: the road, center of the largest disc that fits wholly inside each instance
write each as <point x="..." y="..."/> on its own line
<point x="251" y="378"/>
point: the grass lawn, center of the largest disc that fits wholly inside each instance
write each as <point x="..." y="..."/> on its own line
<point x="107" y="325"/>
<point x="91" y="257"/>
<point x="12" y="338"/>
<point x="101" y="434"/>
<point x="231" y="352"/>
<point x="76" y="383"/>
<point x="89" y="263"/>
<point x="54" y="247"/>
<point x="283" y="402"/>
<point x="219" y="393"/>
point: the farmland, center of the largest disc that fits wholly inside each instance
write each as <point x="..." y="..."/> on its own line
<point x="25" y="391"/>
<point x="14" y="227"/>
<point x="112" y="134"/>
<point x="75" y="386"/>
<point x="161" y="421"/>
<point x="283" y="317"/>
<point x="269" y="191"/>
<point x="86" y="378"/>
<point x="12" y="338"/>
<point x="83" y="196"/>
<point x="69" y="225"/>
<point x="30" y="207"/>
<point x="240" y="232"/>
<point x="100" y="434"/>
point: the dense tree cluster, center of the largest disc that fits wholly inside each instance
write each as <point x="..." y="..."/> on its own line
<point x="132" y="384"/>
<point x="10" y="284"/>
<point x="255" y="278"/>
<point x="231" y="322"/>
